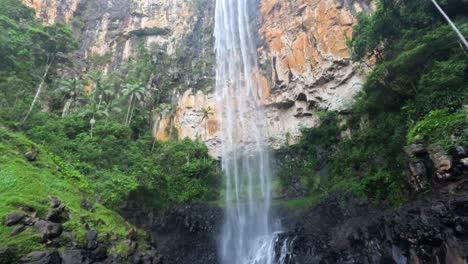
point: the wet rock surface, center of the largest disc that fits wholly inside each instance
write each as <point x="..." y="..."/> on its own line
<point x="13" y="218"/>
<point x="94" y="249"/>
<point x="431" y="228"/>
<point x="187" y="235"/>
<point x="41" y="257"/>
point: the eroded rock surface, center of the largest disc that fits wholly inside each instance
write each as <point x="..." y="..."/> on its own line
<point x="303" y="58"/>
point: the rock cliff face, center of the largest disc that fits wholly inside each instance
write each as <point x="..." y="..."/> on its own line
<point x="430" y="228"/>
<point x="305" y="62"/>
<point x="114" y="28"/>
<point x="305" y="68"/>
<point x="303" y="58"/>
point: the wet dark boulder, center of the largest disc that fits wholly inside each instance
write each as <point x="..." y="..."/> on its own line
<point x="430" y="229"/>
<point x="87" y="205"/>
<point x="99" y="253"/>
<point x="185" y="235"/>
<point x="8" y="254"/>
<point x="459" y="152"/>
<point x="416" y="150"/>
<point x="17" y="230"/>
<point x="42" y="257"/>
<point x="14" y="218"/>
<point x="56" y="215"/>
<point x="31" y="155"/>
<point x="54" y="202"/>
<point x="72" y="256"/>
<point x="91" y="235"/>
<point x="418" y="176"/>
<point x="48" y="230"/>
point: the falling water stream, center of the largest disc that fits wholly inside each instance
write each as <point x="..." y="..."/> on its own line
<point x="248" y="234"/>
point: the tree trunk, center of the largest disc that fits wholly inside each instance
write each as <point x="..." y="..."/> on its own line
<point x="66" y="107"/>
<point x="131" y="114"/>
<point x="129" y="108"/>
<point x="38" y="92"/>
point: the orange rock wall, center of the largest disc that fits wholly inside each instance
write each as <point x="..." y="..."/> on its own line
<point x="304" y="61"/>
<point x="303" y="58"/>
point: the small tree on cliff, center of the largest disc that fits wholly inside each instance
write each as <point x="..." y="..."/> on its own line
<point x="133" y="90"/>
<point x="48" y="45"/>
<point x="206" y="112"/>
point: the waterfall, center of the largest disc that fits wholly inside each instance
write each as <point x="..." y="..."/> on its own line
<point x="247" y="235"/>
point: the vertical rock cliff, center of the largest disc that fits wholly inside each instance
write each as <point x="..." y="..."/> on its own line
<point x="305" y="61"/>
<point x="303" y="57"/>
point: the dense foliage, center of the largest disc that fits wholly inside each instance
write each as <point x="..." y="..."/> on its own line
<point x="29" y="184"/>
<point x="30" y="54"/>
<point x="415" y="92"/>
<point x="116" y="163"/>
<point x="99" y="123"/>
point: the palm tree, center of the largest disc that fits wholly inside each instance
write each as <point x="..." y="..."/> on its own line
<point x="96" y="110"/>
<point x="134" y="90"/>
<point x="96" y="77"/>
<point x="110" y="107"/>
<point x="206" y="112"/>
<point x="72" y="90"/>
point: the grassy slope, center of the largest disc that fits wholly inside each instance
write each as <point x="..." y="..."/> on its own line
<point x="30" y="183"/>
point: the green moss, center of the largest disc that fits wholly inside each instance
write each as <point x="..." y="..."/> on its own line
<point x="24" y="183"/>
<point x="303" y="202"/>
<point x="438" y="127"/>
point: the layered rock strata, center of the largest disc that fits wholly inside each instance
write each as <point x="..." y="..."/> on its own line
<point x="303" y="58"/>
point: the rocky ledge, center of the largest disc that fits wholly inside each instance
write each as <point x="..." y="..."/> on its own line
<point x="62" y="247"/>
<point x="187" y="235"/>
<point x="432" y="228"/>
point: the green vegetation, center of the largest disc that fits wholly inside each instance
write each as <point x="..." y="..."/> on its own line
<point x="30" y="57"/>
<point x="439" y="126"/>
<point x="416" y="92"/>
<point x="93" y="136"/>
<point x="28" y="184"/>
<point x="117" y="162"/>
<point x="103" y="133"/>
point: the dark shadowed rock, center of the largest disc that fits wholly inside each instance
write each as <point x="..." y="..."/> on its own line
<point x="29" y="221"/>
<point x="68" y="239"/>
<point x="54" y="202"/>
<point x="418" y="177"/>
<point x="187" y="235"/>
<point x="91" y="235"/>
<point x="56" y="215"/>
<point x="428" y="230"/>
<point x="459" y="152"/>
<point x="42" y="257"/>
<point x="31" y="155"/>
<point x="8" y="254"/>
<point x="145" y="259"/>
<point x="14" y="218"/>
<point x="48" y="230"/>
<point x="464" y="162"/>
<point x="72" y="256"/>
<point x="100" y="253"/>
<point x="416" y="150"/>
<point x="17" y="230"/>
<point x="26" y="208"/>
<point x="85" y="204"/>
<point x="132" y="234"/>
<point x="91" y="238"/>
